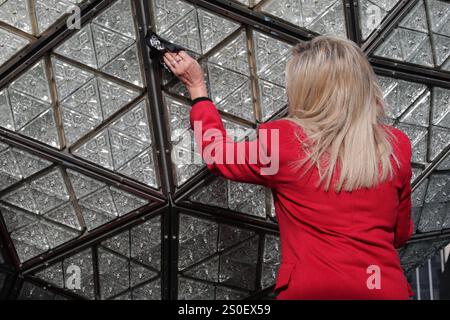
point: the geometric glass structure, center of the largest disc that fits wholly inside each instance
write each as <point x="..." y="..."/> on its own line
<point x="421" y="37"/>
<point x="23" y="21"/>
<point x="103" y="194"/>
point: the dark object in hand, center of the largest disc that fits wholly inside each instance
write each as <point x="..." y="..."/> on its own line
<point x="159" y="46"/>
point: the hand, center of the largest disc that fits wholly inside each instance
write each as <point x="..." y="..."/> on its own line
<point x="188" y="71"/>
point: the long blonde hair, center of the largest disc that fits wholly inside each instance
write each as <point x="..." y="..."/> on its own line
<point x="334" y="96"/>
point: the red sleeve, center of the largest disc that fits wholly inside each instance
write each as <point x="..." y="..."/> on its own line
<point x="404" y="225"/>
<point x="255" y="161"/>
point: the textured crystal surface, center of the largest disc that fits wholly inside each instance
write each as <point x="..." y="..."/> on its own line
<point x="321" y="16"/>
<point x="39" y="212"/>
<point x="413" y="39"/>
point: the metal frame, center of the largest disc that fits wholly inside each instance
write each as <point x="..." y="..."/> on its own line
<point x="170" y="200"/>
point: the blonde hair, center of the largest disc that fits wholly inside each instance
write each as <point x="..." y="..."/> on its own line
<point x="334" y="96"/>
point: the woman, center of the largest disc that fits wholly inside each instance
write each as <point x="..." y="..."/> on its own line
<point x="342" y="191"/>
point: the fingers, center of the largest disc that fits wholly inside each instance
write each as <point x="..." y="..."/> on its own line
<point x="171" y="64"/>
<point x="184" y="55"/>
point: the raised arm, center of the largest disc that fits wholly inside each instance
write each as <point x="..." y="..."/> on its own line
<point x="255" y="161"/>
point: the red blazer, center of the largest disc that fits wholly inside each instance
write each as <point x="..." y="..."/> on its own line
<point x="333" y="245"/>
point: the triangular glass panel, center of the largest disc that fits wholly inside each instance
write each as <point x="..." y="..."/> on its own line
<point x="330" y="22"/>
<point x="146" y="243"/>
<point x="140" y="274"/>
<point x="76" y="125"/>
<point x="423" y="55"/>
<point x="57" y="235"/>
<point x="97" y="150"/>
<point x="371" y="15"/>
<point x="6" y="118"/>
<point x="68" y="77"/>
<point x="289" y="10"/>
<point x="178" y="117"/>
<point x="34" y="82"/>
<point x="239" y="103"/>
<point x="399" y="94"/>
<point x="194" y="290"/>
<point x="49" y="11"/>
<point x="223" y="82"/>
<point x="124" y="25"/>
<point x="53" y="275"/>
<point x="229" y="236"/>
<point x="43" y="129"/>
<point x="192" y="232"/>
<point x="439" y="16"/>
<point x="411" y="41"/>
<point x="65" y="215"/>
<point x="126" y="202"/>
<point x="22" y="198"/>
<point x="114" y="273"/>
<point x="391" y="48"/>
<point x="214" y="194"/>
<point x="268" y="50"/>
<point x="83" y="185"/>
<point x="247" y="198"/>
<point x="29" y="241"/>
<point x="16" y="13"/>
<point x="149" y="291"/>
<point x="101" y="201"/>
<point x="114" y="96"/>
<point x="185" y="157"/>
<point x="141" y="168"/>
<point x="419" y="113"/>
<point x="51" y="183"/>
<point x="126" y="66"/>
<point x="16" y="218"/>
<point x="185" y="33"/>
<point x="238" y="266"/>
<point x="312" y="10"/>
<point x="432" y="217"/>
<point x="416" y="19"/>
<point x="276" y="72"/>
<point x="440" y="139"/>
<point x="233" y="56"/>
<point x="124" y="148"/>
<point x="108" y="44"/>
<point x="25" y="108"/>
<point x="441" y="107"/>
<point x="80" y="47"/>
<point x="271" y="260"/>
<point x="119" y="243"/>
<point x="438" y="189"/>
<point x="9" y="171"/>
<point x="167" y="12"/>
<point x="273" y="99"/>
<point x="29" y="164"/>
<point x="134" y="123"/>
<point x="12" y="44"/>
<point x="441" y="46"/>
<point x="208" y="270"/>
<point x="213" y="29"/>
<point x="85" y="100"/>
<point x="419" y="141"/>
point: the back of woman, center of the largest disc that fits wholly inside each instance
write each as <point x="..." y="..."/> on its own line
<point x="339" y="176"/>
